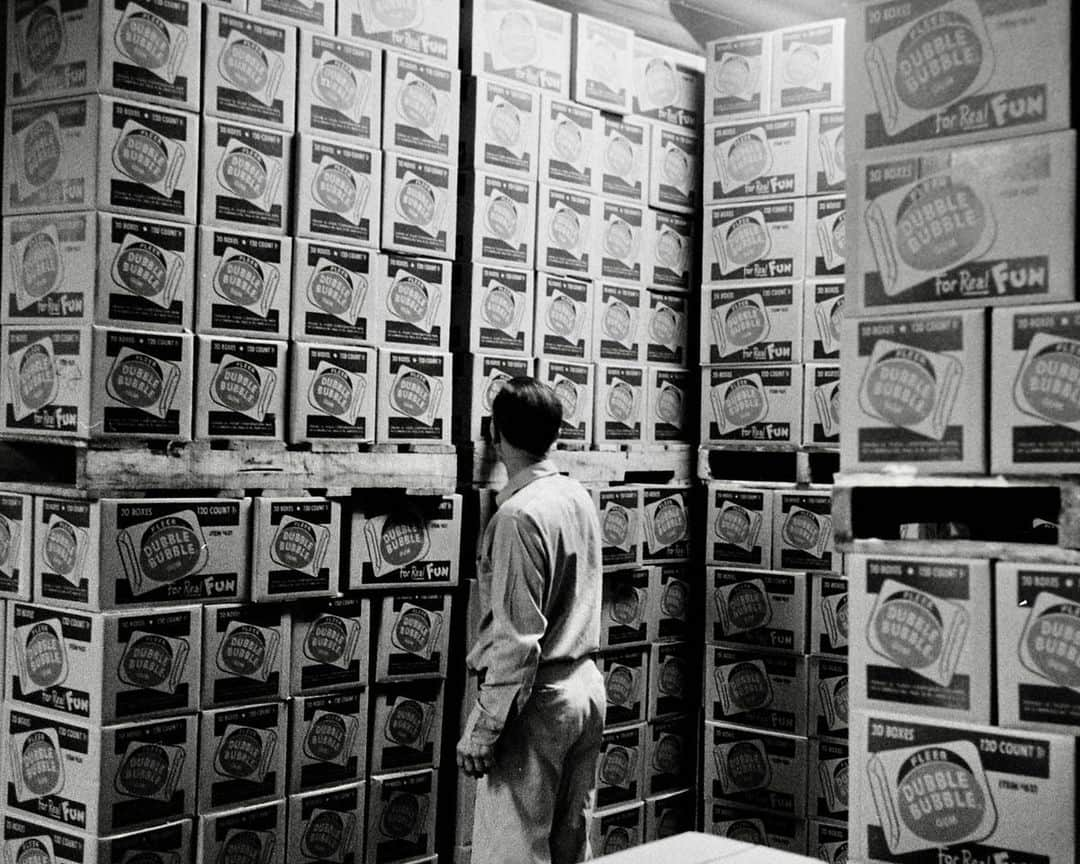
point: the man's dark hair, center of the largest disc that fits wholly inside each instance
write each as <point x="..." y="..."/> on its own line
<point x="528" y="414"/>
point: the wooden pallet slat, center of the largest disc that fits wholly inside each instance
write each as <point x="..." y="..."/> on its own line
<point x="767" y="463"/>
<point x="479" y="466"/>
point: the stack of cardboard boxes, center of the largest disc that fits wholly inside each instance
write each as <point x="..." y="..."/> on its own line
<point x="773" y="252"/>
<point x="575" y="238"/>
<point x="963" y="176"/>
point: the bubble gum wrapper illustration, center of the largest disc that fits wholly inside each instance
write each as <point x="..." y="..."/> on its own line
<point x="300" y="545"/>
<point x="1047" y="645"/>
<point x="341" y="190"/>
<point x="739" y="403"/>
<point x="621" y="685"/>
<point x="143" y="382"/>
<point x="64" y="548"/>
<point x="246" y="281"/>
<point x="249" y="651"/>
<point x="835" y="611"/>
<point x="568" y="230"/>
<point x="337" y="291"/>
<point x="742" y="687"/>
<point x="742" y="766"/>
<point x="37" y="152"/>
<point x="618" y="526"/>
<point x="409" y="724"/>
<point x="743" y="159"/>
<point x="421" y="203"/>
<point x="512" y="35"/>
<point x="831" y="148"/>
<point x="566" y="316"/>
<point x="809" y="531"/>
<point x="161" y="551"/>
<point x="666" y="523"/>
<point x="243" y="387"/>
<point x="331" y="737"/>
<point x="737" y="525"/>
<point x="416" y="395"/>
<point x="829" y="316"/>
<point x="41" y="658"/>
<point x="34" y="377"/>
<point x="333" y="640"/>
<point x="570" y="395"/>
<point x="833" y="776"/>
<point x="37" y="266"/>
<point x="743" y="607"/>
<point x="507" y="126"/>
<point x="833" y="693"/>
<point x="741" y="241"/>
<point x="37" y="763"/>
<point x="617" y="767"/>
<point x="251" y="68"/>
<point x="739" y="324"/>
<point x="150" y="771"/>
<point x="250" y="847"/>
<point x="328" y="835"/>
<point x="153" y="662"/>
<point x="504" y="219"/>
<point x="245" y="753"/>
<point x="337" y="392"/>
<point x="832" y="239"/>
<point x="151" y="42"/>
<point x="413" y="300"/>
<point x="148" y="271"/>
<point x="395" y="540"/>
<point x="251" y="175"/>
<point x="1046" y="385"/>
<point x="149" y="158"/>
<point x="381" y="17"/>
<point x="736" y="76"/>
<point x="827" y="401"/>
<point x="422" y="106"/>
<point x="40" y="41"/>
<point x="403" y="817"/>
<point x="910" y="387"/>
<point x="416" y="630"/>
<point x="341" y="86"/>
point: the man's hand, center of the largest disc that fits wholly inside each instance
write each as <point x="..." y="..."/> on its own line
<point x="474" y="758"/>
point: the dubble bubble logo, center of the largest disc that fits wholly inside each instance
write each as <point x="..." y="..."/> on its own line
<point x="747" y="766"/>
<point x="143" y="155"/>
<point x="401" y="815"/>
<point x="669" y="405"/>
<point x="144" y="771"/>
<point x="669" y="522"/>
<point x="615" y="767"/>
<point x="240" y="752"/>
<point x="938" y="60"/>
<point x="324" y="836"/>
<point x="619" y="239"/>
<point x="661" y="82"/>
<point x="406" y="723"/>
<point x="672" y="680"/>
<point x="41" y="150"/>
<point x="939" y="223"/>
<point x="562" y="315"/>
<point x="332" y="391"/>
<point x="335" y="84"/>
<point x="677" y="168"/>
<point x="502" y="217"/>
<point x="496" y="381"/>
<point x="416" y="202"/>
<point x="734" y="524"/>
<point x="673" y="600"/>
<point x="619" y="686"/>
<point x="801" y="529"/>
<point x="617" y="839"/>
<point x="171" y="548"/>
<point x="748" y="686"/>
<point x="147" y="662"/>
<point x="327" y="640"/>
<point x="404" y="538"/>
<point x="242" y="847"/>
<point x="44" y="655"/>
<point x="38" y="380"/>
<point x="622" y="402"/>
<point x="668" y="756"/>
<point x="733" y="75"/>
<point x="748" y="157"/>
<point x="41" y="265"/>
<point x="413" y="630"/>
<point x="62" y="548"/>
<point x="237" y="386"/>
<point x="1049" y="380"/>
<point x="144" y="38"/>
<point x="748" y="606"/>
<point x="295" y="545"/>
<point x="418" y="103"/>
<point x="43" y="38"/>
<point x="747" y="240"/>
<point x="500" y="307"/>
<point x="1052" y="641"/>
<point x="240" y="279"/>
<point x="626" y="604"/>
<point x="397" y="14"/>
<point x="40" y="764"/>
<point x="137" y="379"/>
<point x="409" y="298"/>
<point x="567" y="393"/>
<point x="142" y="269"/>
<point x="331" y="289"/>
<point x="943" y="802"/>
<point x="33" y="850"/>
<point x="565" y="228"/>
<point x="335" y="187"/>
<point x="619" y="157"/>
<point x="745" y="831"/>
<point x="671" y="250"/>
<point x="244" y="651"/>
<point x="246" y="64"/>
<point x="615" y="527"/>
<point x="8" y="540"/>
<point x="505" y="124"/>
<point x="746" y="322"/>
<point x="412" y="394"/>
<point x="326" y="738"/>
<point x="568" y="139"/>
<point x="516" y="37"/>
<point x="802" y="64"/>
<point x="664" y="325"/>
<point x="909" y="628"/>
<point x="245" y="172"/>
<point x="902" y="386"/>
<point x="744" y="403"/>
<point x="617" y="321"/>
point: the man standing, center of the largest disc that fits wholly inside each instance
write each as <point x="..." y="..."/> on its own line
<point x="533" y="737"/>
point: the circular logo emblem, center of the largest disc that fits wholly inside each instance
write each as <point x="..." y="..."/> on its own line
<point x="565" y="228"/>
<point x="669" y="522"/>
<point x="499" y="307"/>
<point x="733" y="525"/>
<point x="145" y="771"/>
<point x="395" y="14"/>
<point x="902" y="386"/>
<point x="672" y="677"/>
<point x="335" y="85"/>
<point x="336" y="188"/>
<point x="332" y="291"/>
<point x="41" y="152"/>
<point x="747" y="240"/>
<point x="5" y="542"/>
<point x="747" y="158"/>
<point x="326" y="738"/>
<point x="516" y="38"/>
<point x="619" y="686"/>
<point x="932" y="71"/>
<point x="617" y="321"/>
<point x="37" y="377"/>
<point x="40" y="764"/>
<point x="745" y="323"/>
<point x="237" y="386"/>
<point x="409" y="299"/>
<point x="669" y="755"/>
<point x="243" y="847"/>
<point x="62" y="548"/>
<point x="323" y="835"/>
<point x="419" y="104"/>
<point x="619" y="157"/>
<point x="400" y="815"/>
<point x="669" y="406"/>
<point x="732" y="76"/>
<point x="1049" y="383"/>
<point x="44" y="655"/>
<point x="670" y="250"/>
<point x="909" y="630"/>
<point x="567" y="395"/>
<point x="802" y="530"/>
<point x="240" y="280"/>
<point x="747" y="766"/>
<point x="625" y="605"/>
<point x="416" y="202"/>
<point x="412" y="631"/>
<point x="919" y="781"/>
<point x="147" y="661"/>
<point x="745" y="831"/>
<point x="841" y="616"/>
<point x="32" y="851"/>
<point x="617" y="839"/>
<point x="748" y="686"/>
<point x="245" y="173"/>
<point x="619" y="240"/>
<point x="295" y="545"/>
<point x="245" y="64"/>
<point x="137" y="380"/>
<point x="676" y="168"/>
<point x="674" y="599"/>
<point x="502" y="217"/>
<point x="939" y="222"/>
<point x="840" y="700"/>
<point x="326" y="640"/>
<point x="504" y="124"/>
<point x="744" y="402"/>
<point x="748" y="606"/>
<point x="1053" y="643"/>
<point x="244" y="650"/>
<point x="568" y="141"/>
<point x="661" y="82"/>
<point x="562" y="316"/>
<point x="142" y="156"/>
<point x="664" y="325"/>
<point x="41" y="266"/>
<point x="406" y="723"/>
<point x="240" y="752"/>
<point x="332" y="392"/>
<point x="404" y="538"/>
<point x="840" y="784"/>
<point x="615" y="766"/>
<point x="170" y="550"/>
<point x="615" y="526"/>
<point x="44" y="38"/>
<point x="142" y="270"/>
<point x="412" y="394"/>
<point x="621" y="402"/>
<point x="801" y="66"/>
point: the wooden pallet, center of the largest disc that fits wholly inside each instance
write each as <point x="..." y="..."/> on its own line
<point x="99" y="470"/>
<point x="1030" y="519"/>
<point x="479" y="466"/>
<point x="767" y="463"/>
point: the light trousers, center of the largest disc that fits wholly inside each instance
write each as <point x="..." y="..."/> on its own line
<point x="532" y="808"/>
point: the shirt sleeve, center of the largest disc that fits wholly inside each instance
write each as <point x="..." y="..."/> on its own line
<point x="512" y="653"/>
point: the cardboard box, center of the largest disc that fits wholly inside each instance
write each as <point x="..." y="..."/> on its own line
<point x="620" y="513"/>
<point x="624" y="611"/>
<point x="250" y="69"/>
<point x="401" y="817"/>
<point x="330" y="646"/>
<point x="616" y="829"/>
<point x="245" y="654"/>
<point x="103" y="668"/>
<point x="145" y="274"/>
<point x="429" y="29"/>
<point x="667" y="329"/>
<point x="102" y="780"/>
<point x="497" y="219"/>
<point x="827" y="795"/>
<point x="16" y="545"/>
<point x="671" y="243"/>
<point x="1006" y="73"/>
<point x="755" y="241"/>
<point x="619" y="413"/>
<point x="821" y="404"/>
<point x="339" y="187"/>
<point x="239" y="389"/>
<point x="343" y="99"/>
<point x="414" y="402"/>
<point x="573" y="383"/>
<point x="752" y="403"/>
<point x="570" y="137"/>
<point x="620" y="770"/>
<point x="328" y="744"/>
<point x="828" y="614"/>
<point x="1035" y="668"/>
<point x="826" y="169"/>
<point x="47" y="269"/>
<point x="602" y="52"/>
<point x="757" y="689"/>
<point x="52" y="53"/>
<point x="746" y="768"/>
<point x="828" y="696"/>
<point x="672" y="680"/>
<point x="624" y="158"/>
<point x="328" y="824"/>
<point x="296" y="545"/>
<point x="405" y="541"/>
<point x="978" y="236"/>
<point x="332" y="396"/>
<point x="335" y="296"/>
<point x="738" y="77"/>
<point x="406" y="725"/>
<point x="669" y="84"/>
<point x="563" y="320"/>
<point x="826" y="234"/>
<point x="424" y="216"/>
<point x="666" y="523"/>
<point x="421" y="109"/>
<point x="495" y="313"/>
<point x="412" y="637"/>
<point x="256" y="831"/>
<point x="43" y="389"/>
<point x="621" y="244"/>
<point x="670" y="814"/>
<point x="808" y="66"/>
<point x="414" y="298"/>
<point x="827" y="841"/>
<point x="916" y="395"/>
<point x="1005" y="793"/>
<point x="482" y="376"/>
<point x="756" y="159"/>
<point x="626" y="683"/>
<point x="246" y="181"/>
<point x="314" y="15"/>
<point x="667" y="400"/>
<point x="673" y="171"/>
<point x="141" y="384"/>
<point x="27" y="838"/>
<point x="1031" y="395"/>
<point x="802" y="530"/>
<point x="245" y="284"/>
<point x="670" y="758"/>
<point x="752" y="323"/>
<point x="567" y="225"/>
<point x="617" y="320"/>
<point x="672" y="598"/>
<point x="522" y="40"/>
<point x="757" y="827"/>
<point x="244" y="752"/>
<point x="923" y="630"/>
<point x="500" y="127"/>
<point x="757" y="608"/>
<point x="823" y="313"/>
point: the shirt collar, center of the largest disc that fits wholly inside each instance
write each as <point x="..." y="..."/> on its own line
<point x="543" y="468"/>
